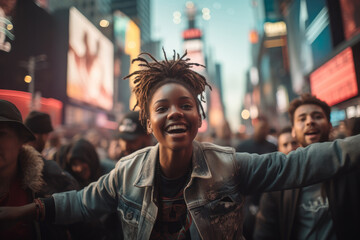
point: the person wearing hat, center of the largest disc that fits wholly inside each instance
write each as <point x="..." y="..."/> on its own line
<point x="21" y="176"/>
<point x="131" y="134"/>
<point x="40" y="124"/>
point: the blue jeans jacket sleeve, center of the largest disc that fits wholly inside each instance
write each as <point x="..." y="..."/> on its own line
<point x="303" y="167"/>
<point x="91" y="202"/>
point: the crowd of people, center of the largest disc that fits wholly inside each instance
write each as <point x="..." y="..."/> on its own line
<point x="158" y="180"/>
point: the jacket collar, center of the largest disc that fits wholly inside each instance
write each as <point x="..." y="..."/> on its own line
<point x="146" y="176"/>
<point x="31" y="166"/>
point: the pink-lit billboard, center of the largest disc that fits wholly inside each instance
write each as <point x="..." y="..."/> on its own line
<point x="335" y="81"/>
<point x="90" y="68"/>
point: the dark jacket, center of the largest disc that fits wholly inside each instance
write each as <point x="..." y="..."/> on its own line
<point x="41" y="178"/>
<point x="276" y="217"/>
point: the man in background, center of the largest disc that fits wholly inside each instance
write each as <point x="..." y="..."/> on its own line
<point x="131" y="134"/>
<point x="286" y="142"/>
<point x="328" y="210"/>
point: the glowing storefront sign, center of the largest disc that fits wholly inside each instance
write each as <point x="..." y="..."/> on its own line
<point x="275" y="29"/>
<point x="335" y="81"/>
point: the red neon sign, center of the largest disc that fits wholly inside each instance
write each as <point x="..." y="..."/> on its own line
<point x="335" y="81"/>
<point x="193" y="33"/>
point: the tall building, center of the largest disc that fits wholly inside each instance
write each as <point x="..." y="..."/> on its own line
<point x="269" y="85"/>
<point x="139" y="12"/>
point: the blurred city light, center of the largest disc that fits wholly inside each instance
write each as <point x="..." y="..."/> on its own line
<point x="206" y="17"/>
<point x="177" y="17"/>
<point x="245" y="114"/>
<point x="177" y="14"/>
<point x="253" y="36"/>
<point x="104" y="23"/>
<point x="28" y="79"/>
<point x="254" y="76"/>
<point x="177" y="20"/>
<point x="254" y="112"/>
<point x="9" y="27"/>
<point x="205" y="11"/>
<point x="206" y="14"/>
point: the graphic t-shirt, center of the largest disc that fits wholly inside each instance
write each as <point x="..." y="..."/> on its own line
<point x="313" y="219"/>
<point x="174" y="220"/>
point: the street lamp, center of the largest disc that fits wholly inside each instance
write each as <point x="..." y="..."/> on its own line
<point x="33" y="64"/>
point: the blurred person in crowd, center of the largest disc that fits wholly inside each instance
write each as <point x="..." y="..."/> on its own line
<point x="131" y="134"/>
<point x="259" y="144"/>
<point x="327" y="210"/>
<point x="114" y="150"/>
<point x="57" y="180"/>
<point x="53" y="145"/>
<point x="224" y="135"/>
<point x="286" y="141"/>
<point x="82" y="162"/>
<point x="181" y="188"/>
<point x="97" y="140"/>
<point x="272" y="136"/>
<point x="40" y="124"/>
<point x="25" y="175"/>
<point x="353" y="126"/>
<point x="340" y="131"/>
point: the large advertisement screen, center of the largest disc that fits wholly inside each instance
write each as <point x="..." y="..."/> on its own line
<point x="90" y="68"/>
<point x="335" y="81"/>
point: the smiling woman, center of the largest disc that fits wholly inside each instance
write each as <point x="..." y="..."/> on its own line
<point x="181" y="188"/>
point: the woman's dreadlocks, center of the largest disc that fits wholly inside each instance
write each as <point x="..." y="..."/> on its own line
<point x="156" y="73"/>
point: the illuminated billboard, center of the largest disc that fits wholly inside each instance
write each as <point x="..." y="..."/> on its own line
<point x="90" y="67"/>
<point x="335" y="81"/>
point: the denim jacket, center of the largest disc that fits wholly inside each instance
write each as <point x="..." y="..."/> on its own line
<point x="214" y="195"/>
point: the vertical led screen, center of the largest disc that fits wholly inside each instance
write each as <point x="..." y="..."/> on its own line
<point x="90" y="68"/>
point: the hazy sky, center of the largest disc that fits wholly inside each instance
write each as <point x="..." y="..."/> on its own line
<point x="226" y="34"/>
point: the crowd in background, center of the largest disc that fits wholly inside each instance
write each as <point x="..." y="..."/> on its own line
<point x="72" y="160"/>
